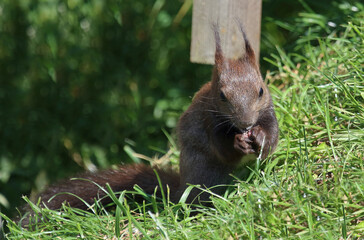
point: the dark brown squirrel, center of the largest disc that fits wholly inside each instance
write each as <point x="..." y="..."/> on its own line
<point x="230" y="121"/>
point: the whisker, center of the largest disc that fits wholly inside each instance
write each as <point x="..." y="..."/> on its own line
<point x="206" y="102"/>
<point x="209" y="110"/>
<point x="209" y="98"/>
<point x="221" y="123"/>
<point x="224" y="116"/>
<point x="227" y="116"/>
<point x="232" y="125"/>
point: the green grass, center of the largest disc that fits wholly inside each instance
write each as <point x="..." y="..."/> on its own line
<point x="311" y="188"/>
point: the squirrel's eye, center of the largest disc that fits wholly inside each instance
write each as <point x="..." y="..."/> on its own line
<point x="223" y="97"/>
<point x="261" y="92"/>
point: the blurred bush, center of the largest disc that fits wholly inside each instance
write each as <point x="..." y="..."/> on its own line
<point x="83" y="81"/>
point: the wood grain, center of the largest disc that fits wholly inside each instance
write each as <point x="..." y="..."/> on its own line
<point x="227" y="13"/>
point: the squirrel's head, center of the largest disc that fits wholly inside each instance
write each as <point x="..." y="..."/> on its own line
<point x="238" y="86"/>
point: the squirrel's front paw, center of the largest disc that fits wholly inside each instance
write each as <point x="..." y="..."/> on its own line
<point x="258" y="138"/>
<point x="243" y="143"/>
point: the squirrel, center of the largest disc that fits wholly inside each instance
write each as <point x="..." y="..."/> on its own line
<point x="231" y="121"/>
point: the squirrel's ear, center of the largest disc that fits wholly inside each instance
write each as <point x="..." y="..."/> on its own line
<point x="219" y="57"/>
<point x="249" y="52"/>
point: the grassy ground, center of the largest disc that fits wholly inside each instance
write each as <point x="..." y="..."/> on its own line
<point x="311" y="188"/>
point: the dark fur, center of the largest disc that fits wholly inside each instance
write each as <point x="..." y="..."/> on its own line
<point x="211" y="131"/>
<point x="121" y="179"/>
<point x="225" y="125"/>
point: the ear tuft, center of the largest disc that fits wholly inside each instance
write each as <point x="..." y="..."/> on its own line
<point x="219" y="57"/>
<point x="249" y="52"/>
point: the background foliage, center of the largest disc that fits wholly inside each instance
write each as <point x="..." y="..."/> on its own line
<point x="83" y="84"/>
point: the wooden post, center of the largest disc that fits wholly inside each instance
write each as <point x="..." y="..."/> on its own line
<point x="227" y="13"/>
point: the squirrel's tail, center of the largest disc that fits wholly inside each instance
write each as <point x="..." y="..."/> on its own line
<point x="124" y="178"/>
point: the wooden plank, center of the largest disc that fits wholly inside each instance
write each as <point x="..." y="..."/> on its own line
<point x="226" y="13"/>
